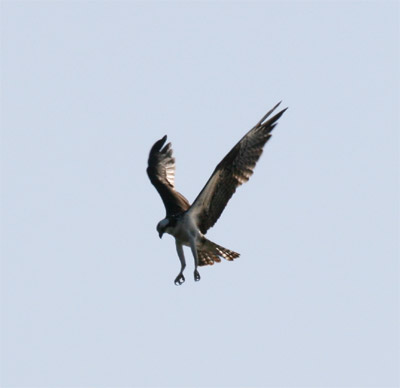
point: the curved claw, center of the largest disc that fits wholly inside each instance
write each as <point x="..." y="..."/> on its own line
<point x="180" y="279"/>
<point x="196" y="275"/>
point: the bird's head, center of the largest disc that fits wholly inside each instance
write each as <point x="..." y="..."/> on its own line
<point x="161" y="226"/>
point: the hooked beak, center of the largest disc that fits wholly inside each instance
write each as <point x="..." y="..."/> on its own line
<point x="160" y="234"/>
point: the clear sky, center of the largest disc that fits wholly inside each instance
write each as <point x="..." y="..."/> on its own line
<point x="88" y="298"/>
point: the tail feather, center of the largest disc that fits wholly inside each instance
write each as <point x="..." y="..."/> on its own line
<point x="209" y="253"/>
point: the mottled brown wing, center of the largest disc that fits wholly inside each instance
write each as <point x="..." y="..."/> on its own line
<point x="161" y="171"/>
<point x="234" y="170"/>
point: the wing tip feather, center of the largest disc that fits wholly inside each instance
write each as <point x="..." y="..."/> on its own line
<point x="274" y="118"/>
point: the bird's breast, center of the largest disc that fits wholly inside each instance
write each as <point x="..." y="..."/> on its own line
<point x="184" y="230"/>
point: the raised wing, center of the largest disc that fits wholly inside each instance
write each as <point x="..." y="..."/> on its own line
<point x="234" y="170"/>
<point x="161" y="171"/>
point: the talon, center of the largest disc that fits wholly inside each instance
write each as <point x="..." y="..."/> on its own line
<point x="196" y="275"/>
<point x="180" y="279"/>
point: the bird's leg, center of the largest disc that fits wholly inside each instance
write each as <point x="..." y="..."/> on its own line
<point x="196" y="259"/>
<point x="180" y="279"/>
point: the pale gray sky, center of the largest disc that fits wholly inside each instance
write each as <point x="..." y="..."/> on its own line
<point x="88" y="298"/>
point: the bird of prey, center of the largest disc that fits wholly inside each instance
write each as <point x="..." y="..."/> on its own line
<point x="189" y="223"/>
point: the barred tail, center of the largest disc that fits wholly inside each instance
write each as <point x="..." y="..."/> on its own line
<point x="210" y="253"/>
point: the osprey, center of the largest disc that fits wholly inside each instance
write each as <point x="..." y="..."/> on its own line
<point x="189" y="223"/>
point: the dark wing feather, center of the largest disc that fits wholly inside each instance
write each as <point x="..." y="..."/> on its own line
<point x="161" y="171"/>
<point x="234" y="170"/>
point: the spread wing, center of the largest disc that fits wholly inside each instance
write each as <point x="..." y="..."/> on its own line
<point x="234" y="170"/>
<point x="161" y="171"/>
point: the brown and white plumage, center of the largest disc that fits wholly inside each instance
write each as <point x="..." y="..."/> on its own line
<point x="188" y="224"/>
<point x="161" y="171"/>
<point x="235" y="169"/>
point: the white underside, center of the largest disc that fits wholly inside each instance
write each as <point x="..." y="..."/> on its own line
<point x="185" y="231"/>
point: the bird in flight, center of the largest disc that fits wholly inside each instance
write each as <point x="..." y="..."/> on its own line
<point x="189" y="223"/>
